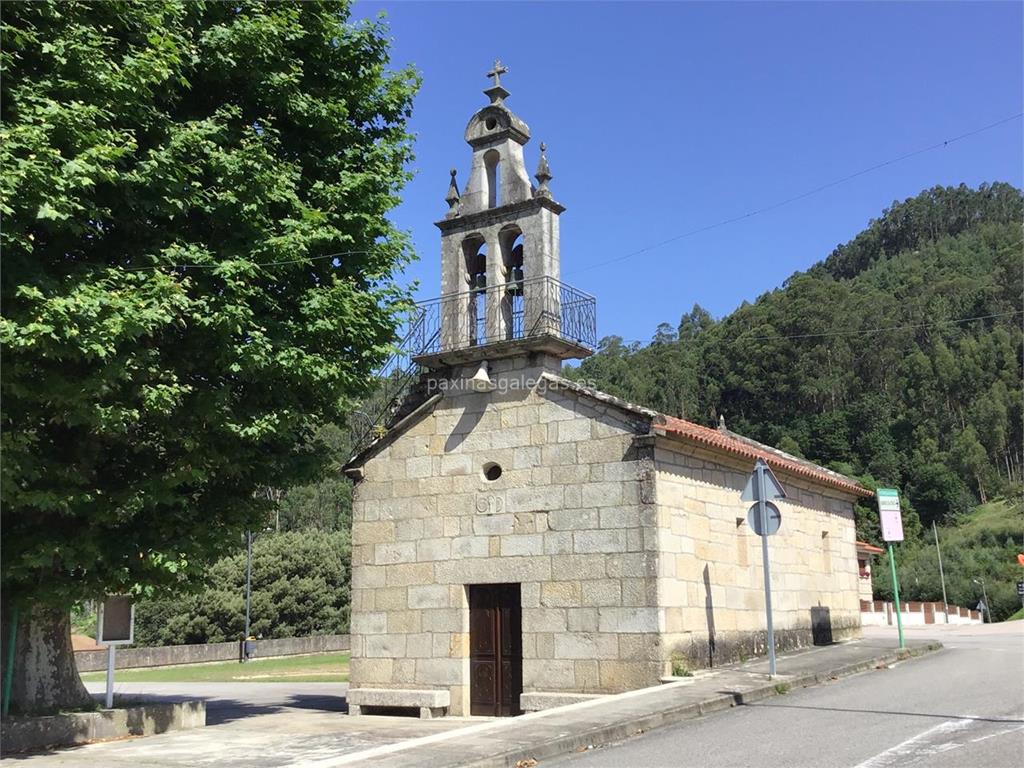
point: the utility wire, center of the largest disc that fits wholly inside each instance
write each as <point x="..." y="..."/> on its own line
<point x="214" y="265"/>
<point x="1017" y="245"/>
<point x="864" y="332"/>
<point x="801" y="196"/>
<point x="691" y="233"/>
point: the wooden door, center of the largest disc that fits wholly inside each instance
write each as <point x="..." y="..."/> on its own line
<point x="495" y="650"/>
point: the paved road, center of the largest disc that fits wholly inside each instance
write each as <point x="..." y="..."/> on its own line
<point x="961" y="707"/>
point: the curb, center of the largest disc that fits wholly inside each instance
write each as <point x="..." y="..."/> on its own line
<point x="71" y="729"/>
<point x="637" y="725"/>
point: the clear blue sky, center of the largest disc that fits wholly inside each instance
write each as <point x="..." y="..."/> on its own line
<point x="661" y="118"/>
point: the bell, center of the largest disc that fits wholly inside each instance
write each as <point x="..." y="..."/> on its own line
<point x="479" y="283"/>
<point x="515" y="282"/>
<point x="481" y="381"/>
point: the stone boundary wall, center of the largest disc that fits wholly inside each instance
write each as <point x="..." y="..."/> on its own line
<point x="881" y="613"/>
<point x="169" y="655"/>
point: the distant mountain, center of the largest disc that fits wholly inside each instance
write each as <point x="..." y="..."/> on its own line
<point x="937" y="212"/>
<point x="896" y="359"/>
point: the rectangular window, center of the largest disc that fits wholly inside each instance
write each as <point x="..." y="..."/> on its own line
<point x="826" y="553"/>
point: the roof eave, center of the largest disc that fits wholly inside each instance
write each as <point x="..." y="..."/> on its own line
<point x="823" y="477"/>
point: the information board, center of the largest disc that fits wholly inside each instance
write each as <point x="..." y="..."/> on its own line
<point x="889" y="514"/>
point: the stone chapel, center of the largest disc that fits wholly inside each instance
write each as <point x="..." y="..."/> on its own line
<point x="519" y="540"/>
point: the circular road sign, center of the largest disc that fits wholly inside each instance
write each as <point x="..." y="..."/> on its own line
<point x="774" y="519"/>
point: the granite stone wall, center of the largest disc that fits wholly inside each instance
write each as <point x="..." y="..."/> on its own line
<point x="630" y="549"/>
<point x="711" y="580"/>
<point x="565" y="520"/>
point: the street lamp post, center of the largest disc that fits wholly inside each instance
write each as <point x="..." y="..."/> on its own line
<point x="248" y="593"/>
<point x="984" y="597"/>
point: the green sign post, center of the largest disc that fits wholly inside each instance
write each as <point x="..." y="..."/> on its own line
<point x="892" y="530"/>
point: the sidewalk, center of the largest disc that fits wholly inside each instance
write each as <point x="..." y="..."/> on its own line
<point x="541" y="735"/>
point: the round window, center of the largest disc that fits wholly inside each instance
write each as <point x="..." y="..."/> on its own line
<point x="492" y="471"/>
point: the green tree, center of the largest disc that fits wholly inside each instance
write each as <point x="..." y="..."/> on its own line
<point x="969" y="455"/>
<point x="300" y="587"/>
<point x="981" y="544"/>
<point x="694" y="323"/>
<point x="326" y="503"/>
<point x="865" y="360"/>
<point x="197" y="277"/>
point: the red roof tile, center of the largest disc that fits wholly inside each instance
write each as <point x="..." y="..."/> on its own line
<point x="730" y="442"/>
<point x="863" y="546"/>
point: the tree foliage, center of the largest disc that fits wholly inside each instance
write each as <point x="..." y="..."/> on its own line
<point x="300" y="587"/>
<point x="197" y="278"/>
<point x="864" y="362"/>
<point x="982" y="544"/>
<point x="144" y="402"/>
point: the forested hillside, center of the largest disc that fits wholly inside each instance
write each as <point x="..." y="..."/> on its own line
<point x="981" y="545"/>
<point x="897" y="359"/>
<point x="866" y="363"/>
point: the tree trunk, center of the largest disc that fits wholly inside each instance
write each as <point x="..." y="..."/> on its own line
<point x="45" y="676"/>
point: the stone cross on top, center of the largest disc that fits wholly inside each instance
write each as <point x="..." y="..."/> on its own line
<point x="498" y="70"/>
<point x="497" y="92"/>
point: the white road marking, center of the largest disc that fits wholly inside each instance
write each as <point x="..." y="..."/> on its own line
<point x="931" y="742"/>
<point x="998" y="733"/>
<point x="914" y="747"/>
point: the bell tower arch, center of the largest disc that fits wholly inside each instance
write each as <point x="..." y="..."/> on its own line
<point x="500" y="261"/>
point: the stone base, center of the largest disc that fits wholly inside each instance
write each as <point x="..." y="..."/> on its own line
<point x="429" y="702"/>
<point x="700" y="651"/>
<point x="532" y="702"/>
<point x="23" y="734"/>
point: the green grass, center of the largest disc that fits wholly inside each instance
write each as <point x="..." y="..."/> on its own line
<point x="999" y="513"/>
<point x="1017" y="616"/>
<point x="680" y="667"/>
<point x="316" y="668"/>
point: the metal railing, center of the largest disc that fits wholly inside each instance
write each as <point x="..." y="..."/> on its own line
<point x="539" y="306"/>
<point x="394" y="379"/>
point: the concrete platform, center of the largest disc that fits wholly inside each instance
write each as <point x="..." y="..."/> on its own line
<point x="546" y="734"/>
<point x="284" y="725"/>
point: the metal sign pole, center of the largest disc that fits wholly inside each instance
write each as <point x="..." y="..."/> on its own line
<point x="110" y="675"/>
<point x="942" y="576"/>
<point x="896" y="592"/>
<point x="767" y="572"/>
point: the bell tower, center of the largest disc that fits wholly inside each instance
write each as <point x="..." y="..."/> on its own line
<point x="500" y="262"/>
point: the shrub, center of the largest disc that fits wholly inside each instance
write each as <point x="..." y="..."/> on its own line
<point x="300" y="587"/>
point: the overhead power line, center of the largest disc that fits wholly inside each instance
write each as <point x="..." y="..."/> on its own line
<point x="647" y="249"/>
<point x="691" y="233"/>
<point x="883" y="329"/>
<point x="862" y="332"/>
<point x="216" y="264"/>
<point x="801" y="196"/>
